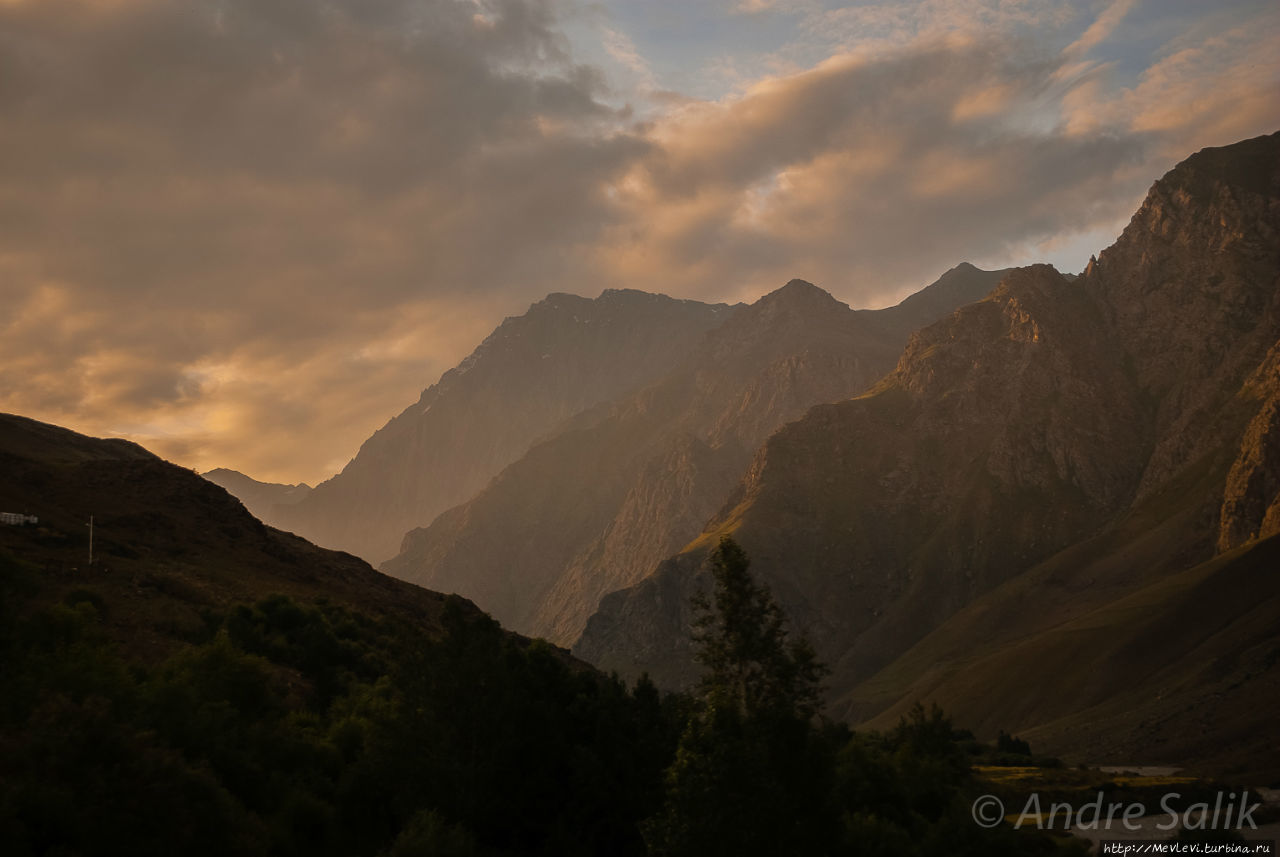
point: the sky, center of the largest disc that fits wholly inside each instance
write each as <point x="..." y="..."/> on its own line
<point x="246" y="233"/>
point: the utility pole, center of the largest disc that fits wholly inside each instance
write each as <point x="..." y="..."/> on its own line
<point x="90" y="541"/>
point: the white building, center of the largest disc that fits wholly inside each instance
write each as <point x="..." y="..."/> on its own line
<point x="16" y="519"/>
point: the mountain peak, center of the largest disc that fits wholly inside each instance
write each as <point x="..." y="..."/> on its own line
<point x="963" y="284"/>
<point x="799" y="293"/>
<point x="798" y="286"/>
<point x="556" y="301"/>
<point x="260" y="498"/>
<point x="630" y="295"/>
<point x="1248" y="164"/>
<point x="1218" y="197"/>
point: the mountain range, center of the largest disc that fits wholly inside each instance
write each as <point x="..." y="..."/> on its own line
<point x="532" y="373"/>
<point x="597" y="506"/>
<point x="1057" y="514"/>
<point x="1050" y="503"/>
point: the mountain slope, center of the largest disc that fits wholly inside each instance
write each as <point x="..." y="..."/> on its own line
<point x="167" y="544"/>
<point x="1176" y="667"/>
<point x="209" y="686"/>
<point x="1113" y="430"/>
<point x="596" y="507"/>
<point x="533" y="372"/>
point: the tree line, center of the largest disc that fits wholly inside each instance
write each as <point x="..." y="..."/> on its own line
<point x="310" y="729"/>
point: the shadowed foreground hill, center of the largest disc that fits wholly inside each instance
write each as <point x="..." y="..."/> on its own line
<point x="210" y="686"/>
<point x="1062" y="446"/>
<point x="167" y="543"/>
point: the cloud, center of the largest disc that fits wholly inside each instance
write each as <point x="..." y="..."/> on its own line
<point x="619" y="46"/>
<point x="755" y="7"/>
<point x="873" y="173"/>
<point x="1102" y="27"/>
<point x="246" y="233"/>
<point x="889" y="25"/>
<point x="187" y="184"/>
<point x="930" y="140"/>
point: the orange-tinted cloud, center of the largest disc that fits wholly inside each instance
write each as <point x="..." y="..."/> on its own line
<point x="248" y="233"/>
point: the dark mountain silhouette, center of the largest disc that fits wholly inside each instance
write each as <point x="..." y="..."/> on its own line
<point x="1026" y="518"/>
<point x="532" y="373"/>
<point x="167" y="544"/>
<point x="597" y="506"/>
<point x="209" y="685"/>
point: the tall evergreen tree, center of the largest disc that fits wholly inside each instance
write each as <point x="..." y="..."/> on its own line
<point x="751" y="775"/>
<point x="742" y="641"/>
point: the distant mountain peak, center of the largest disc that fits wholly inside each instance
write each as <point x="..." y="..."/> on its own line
<point x="798" y="286"/>
<point x="630" y="295"/>
<point x="798" y="293"/>
<point x="963" y="284"/>
<point x="260" y="498"/>
<point x="221" y="473"/>
<point x="555" y="300"/>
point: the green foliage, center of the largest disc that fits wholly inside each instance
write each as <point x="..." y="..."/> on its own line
<point x="741" y="639"/>
<point x="428" y="835"/>
<point x="306" y="729"/>
<point x="528" y="754"/>
<point x="1006" y="743"/>
<point x="756" y="774"/>
<point x="750" y="776"/>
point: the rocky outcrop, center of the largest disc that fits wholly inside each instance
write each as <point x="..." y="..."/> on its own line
<point x="1189" y="294"/>
<point x="1251" y="498"/>
<point x="565" y="355"/>
<point x="595" y="508"/>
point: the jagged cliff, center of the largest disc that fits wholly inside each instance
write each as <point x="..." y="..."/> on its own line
<point x="566" y="354"/>
<point x="1251" y="499"/>
<point x="1097" y="435"/>
<point x="596" y="507"/>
